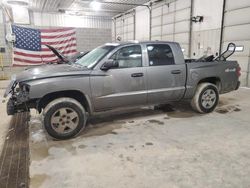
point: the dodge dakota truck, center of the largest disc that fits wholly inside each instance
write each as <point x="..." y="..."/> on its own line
<point x="119" y="75"/>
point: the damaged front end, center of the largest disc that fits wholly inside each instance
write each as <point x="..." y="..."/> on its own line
<point x="19" y="98"/>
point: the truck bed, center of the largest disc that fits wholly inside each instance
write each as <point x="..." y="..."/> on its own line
<point x="224" y="74"/>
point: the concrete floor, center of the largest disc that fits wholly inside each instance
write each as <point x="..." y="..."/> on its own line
<point x="150" y="148"/>
<point x="4" y="119"/>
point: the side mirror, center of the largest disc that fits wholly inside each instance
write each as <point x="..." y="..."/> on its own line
<point x="109" y="64"/>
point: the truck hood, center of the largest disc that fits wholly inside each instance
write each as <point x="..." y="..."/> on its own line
<point x="50" y="71"/>
<point x="46" y="71"/>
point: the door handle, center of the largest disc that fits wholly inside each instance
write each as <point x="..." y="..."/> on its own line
<point x="137" y="75"/>
<point x="175" y="71"/>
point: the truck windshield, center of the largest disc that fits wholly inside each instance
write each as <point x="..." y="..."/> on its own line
<point x="90" y="59"/>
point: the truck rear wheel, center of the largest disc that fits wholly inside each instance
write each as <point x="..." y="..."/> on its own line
<point x="206" y="98"/>
<point x="64" y="118"/>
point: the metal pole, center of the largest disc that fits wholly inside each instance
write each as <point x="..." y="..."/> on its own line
<point x="191" y="29"/>
<point x="248" y="70"/>
<point x="150" y="20"/>
<point x="134" y="14"/>
<point x="222" y="26"/>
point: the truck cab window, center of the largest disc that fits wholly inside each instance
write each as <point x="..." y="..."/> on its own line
<point x="129" y="56"/>
<point x="160" y="54"/>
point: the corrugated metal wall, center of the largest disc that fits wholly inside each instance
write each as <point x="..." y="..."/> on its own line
<point x="1" y="15"/>
<point x="237" y="30"/>
<point x="63" y="20"/>
<point x="171" y="22"/>
<point x="125" y="26"/>
<point x="206" y="34"/>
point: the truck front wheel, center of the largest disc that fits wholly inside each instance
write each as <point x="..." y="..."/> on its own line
<point x="64" y="118"/>
<point x="206" y="98"/>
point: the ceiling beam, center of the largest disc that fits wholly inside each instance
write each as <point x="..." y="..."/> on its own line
<point x="117" y="3"/>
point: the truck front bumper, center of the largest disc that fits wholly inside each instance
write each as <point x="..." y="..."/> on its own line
<point x="13" y="107"/>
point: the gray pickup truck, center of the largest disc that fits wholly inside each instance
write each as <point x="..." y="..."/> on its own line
<point x="120" y="75"/>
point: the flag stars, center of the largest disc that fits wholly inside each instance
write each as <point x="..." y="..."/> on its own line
<point x="27" y="39"/>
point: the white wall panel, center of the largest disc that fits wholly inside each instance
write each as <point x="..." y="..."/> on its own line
<point x="181" y="27"/>
<point x="168" y="37"/>
<point x="168" y="29"/>
<point x="171" y="22"/>
<point x="211" y="10"/>
<point x="182" y="4"/>
<point x="205" y="43"/>
<point x="237" y="33"/>
<point x="168" y="8"/>
<point x="63" y="20"/>
<point x="238" y="16"/>
<point x="156" y="31"/>
<point x="156" y="21"/>
<point x="182" y="38"/>
<point x="182" y="15"/>
<point x="125" y="27"/>
<point x="1" y="16"/>
<point x="236" y="29"/>
<point x="235" y="4"/>
<point x="157" y="11"/>
<point x="142" y="23"/>
<point x="168" y="19"/>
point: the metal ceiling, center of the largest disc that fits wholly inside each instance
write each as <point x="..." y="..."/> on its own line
<point x="82" y="7"/>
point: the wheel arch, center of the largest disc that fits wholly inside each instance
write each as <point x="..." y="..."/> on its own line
<point x="213" y="80"/>
<point x="75" y="94"/>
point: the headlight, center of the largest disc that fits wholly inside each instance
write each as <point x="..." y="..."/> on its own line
<point x="24" y="87"/>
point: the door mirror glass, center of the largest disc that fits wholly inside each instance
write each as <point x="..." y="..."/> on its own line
<point x="109" y="64"/>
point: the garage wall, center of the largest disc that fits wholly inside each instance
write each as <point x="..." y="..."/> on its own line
<point x="237" y="30"/>
<point x="142" y="25"/>
<point x="171" y="22"/>
<point x="206" y="34"/>
<point x="90" y="33"/>
<point x="125" y="26"/>
<point x="64" y="20"/>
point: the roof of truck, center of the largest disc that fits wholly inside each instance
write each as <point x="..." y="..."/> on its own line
<point x="138" y="42"/>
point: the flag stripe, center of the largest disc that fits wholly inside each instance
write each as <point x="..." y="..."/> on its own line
<point x="32" y="55"/>
<point x="73" y="39"/>
<point x="28" y="61"/>
<point x="57" y="36"/>
<point x="58" y="33"/>
<point x="58" y="39"/>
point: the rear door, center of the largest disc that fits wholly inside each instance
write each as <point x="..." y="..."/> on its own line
<point x="166" y="73"/>
<point x="122" y="86"/>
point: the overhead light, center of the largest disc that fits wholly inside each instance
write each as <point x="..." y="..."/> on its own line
<point x="95" y="5"/>
<point x="18" y="2"/>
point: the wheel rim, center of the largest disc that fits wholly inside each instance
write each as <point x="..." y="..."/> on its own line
<point x="64" y="120"/>
<point x="208" y="98"/>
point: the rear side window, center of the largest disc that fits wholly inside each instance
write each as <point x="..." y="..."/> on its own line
<point x="129" y="56"/>
<point x="160" y="54"/>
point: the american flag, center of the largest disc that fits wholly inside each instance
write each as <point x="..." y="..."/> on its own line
<point x="29" y="47"/>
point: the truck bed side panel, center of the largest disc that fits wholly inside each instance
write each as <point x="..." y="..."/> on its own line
<point x="225" y="71"/>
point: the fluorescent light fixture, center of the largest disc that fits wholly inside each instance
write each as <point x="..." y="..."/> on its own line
<point x="95" y="5"/>
<point x="183" y="50"/>
<point x="20" y="14"/>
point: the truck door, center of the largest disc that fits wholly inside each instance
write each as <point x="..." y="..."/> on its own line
<point x="166" y="74"/>
<point x="122" y="86"/>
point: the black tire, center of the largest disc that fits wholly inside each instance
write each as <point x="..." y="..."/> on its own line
<point x="202" y="101"/>
<point x="64" y="118"/>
